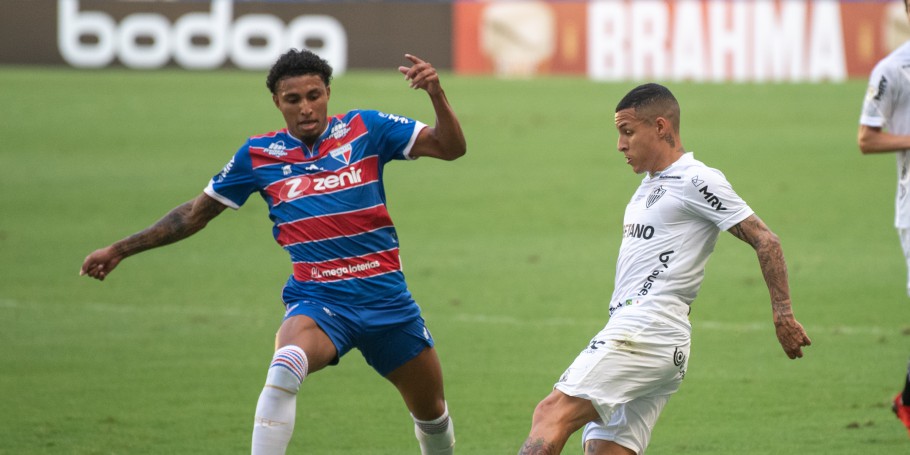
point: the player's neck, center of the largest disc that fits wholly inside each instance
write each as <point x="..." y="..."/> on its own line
<point x="666" y="162"/>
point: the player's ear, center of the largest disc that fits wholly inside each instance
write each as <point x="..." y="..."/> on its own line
<point x="663" y="126"/>
<point x="275" y="99"/>
<point x="328" y="91"/>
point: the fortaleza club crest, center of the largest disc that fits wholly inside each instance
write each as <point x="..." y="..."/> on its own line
<point x="654" y="196"/>
<point x="342" y="154"/>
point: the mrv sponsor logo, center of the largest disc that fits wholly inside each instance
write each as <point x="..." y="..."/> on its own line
<point x="712" y="200"/>
<point x="197" y="40"/>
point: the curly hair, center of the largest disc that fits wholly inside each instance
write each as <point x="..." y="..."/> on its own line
<point x="298" y="63"/>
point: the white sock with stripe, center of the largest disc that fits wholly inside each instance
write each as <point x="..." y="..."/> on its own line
<point x="277" y="406"/>
<point x="437" y="436"/>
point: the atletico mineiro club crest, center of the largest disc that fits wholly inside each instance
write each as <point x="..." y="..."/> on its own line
<point x="654" y="196"/>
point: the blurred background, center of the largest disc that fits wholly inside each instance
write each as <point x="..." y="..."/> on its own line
<point x="611" y="40"/>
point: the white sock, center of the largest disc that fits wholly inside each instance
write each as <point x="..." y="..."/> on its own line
<point x="437" y="436"/>
<point x="277" y="406"/>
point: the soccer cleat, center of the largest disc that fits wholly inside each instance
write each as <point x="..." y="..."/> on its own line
<point x="902" y="411"/>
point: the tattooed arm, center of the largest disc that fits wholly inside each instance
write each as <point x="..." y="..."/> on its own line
<point x="790" y="333"/>
<point x="180" y="223"/>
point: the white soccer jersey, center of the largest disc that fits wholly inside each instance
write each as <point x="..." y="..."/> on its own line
<point x="887" y="106"/>
<point x="669" y="229"/>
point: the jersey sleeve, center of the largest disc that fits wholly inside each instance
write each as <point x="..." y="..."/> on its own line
<point x="711" y="197"/>
<point x="880" y="95"/>
<point x="392" y="135"/>
<point x="236" y="182"/>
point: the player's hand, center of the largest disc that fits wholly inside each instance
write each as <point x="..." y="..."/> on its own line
<point x="421" y="75"/>
<point x="792" y="336"/>
<point x="100" y="263"/>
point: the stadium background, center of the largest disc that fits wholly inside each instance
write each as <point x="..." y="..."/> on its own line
<point x="509" y="251"/>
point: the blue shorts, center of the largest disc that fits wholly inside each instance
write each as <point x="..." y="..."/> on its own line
<point x="388" y="336"/>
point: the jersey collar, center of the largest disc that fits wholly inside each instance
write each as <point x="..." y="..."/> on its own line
<point x="686" y="157"/>
<point x="310" y="152"/>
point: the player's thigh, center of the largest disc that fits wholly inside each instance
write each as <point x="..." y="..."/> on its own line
<point x="601" y="447"/>
<point x="303" y="332"/>
<point x="562" y="413"/>
<point x="419" y="381"/>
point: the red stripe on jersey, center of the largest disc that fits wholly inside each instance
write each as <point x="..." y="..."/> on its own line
<point x="276" y="153"/>
<point x="335" y="225"/>
<point x="365" y="266"/>
<point x="363" y="172"/>
<point x="273" y="154"/>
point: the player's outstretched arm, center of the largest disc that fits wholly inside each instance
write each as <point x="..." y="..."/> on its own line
<point x="180" y="223"/>
<point x="446" y="140"/>
<point x="790" y="332"/>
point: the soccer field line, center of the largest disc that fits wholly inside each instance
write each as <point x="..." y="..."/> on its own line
<point x="697" y="325"/>
<point x="466" y="318"/>
<point x="124" y="308"/>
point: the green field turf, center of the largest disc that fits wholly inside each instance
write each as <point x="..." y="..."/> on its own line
<point x="510" y="251"/>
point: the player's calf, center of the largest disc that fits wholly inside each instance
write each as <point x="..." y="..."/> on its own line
<point x="276" y="409"/>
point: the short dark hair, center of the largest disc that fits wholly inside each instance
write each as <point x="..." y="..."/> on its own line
<point x="651" y="101"/>
<point x="298" y="63"/>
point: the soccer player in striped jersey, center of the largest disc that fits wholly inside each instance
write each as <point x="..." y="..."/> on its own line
<point x="620" y="382"/>
<point x="321" y="178"/>
<point x="884" y="127"/>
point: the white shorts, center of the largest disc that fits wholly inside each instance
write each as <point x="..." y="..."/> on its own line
<point x="628" y="372"/>
<point x="631" y="424"/>
<point x="905" y="245"/>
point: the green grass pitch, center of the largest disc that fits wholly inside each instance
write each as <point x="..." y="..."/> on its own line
<point x="510" y="251"/>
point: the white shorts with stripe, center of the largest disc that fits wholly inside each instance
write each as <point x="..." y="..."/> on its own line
<point x="628" y="372"/>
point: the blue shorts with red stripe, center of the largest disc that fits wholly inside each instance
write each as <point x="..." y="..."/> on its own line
<point x="388" y="333"/>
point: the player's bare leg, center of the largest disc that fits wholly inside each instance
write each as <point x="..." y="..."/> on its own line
<point x="301" y="348"/>
<point x="555" y="419"/>
<point x="420" y="383"/>
<point x="601" y="447"/>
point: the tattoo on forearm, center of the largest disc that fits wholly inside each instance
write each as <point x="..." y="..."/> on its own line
<point x="180" y="223"/>
<point x="770" y="256"/>
<point x="537" y="447"/>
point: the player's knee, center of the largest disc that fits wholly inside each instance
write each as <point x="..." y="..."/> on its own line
<point x="288" y="369"/>
<point x="553" y="416"/>
<point x="548" y="409"/>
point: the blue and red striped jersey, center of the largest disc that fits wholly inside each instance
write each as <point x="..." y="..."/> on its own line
<point x="328" y="203"/>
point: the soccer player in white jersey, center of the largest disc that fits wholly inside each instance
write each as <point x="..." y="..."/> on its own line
<point x="623" y="378"/>
<point x="884" y="126"/>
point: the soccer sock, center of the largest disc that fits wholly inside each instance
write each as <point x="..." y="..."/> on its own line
<point x="905" y="395"/>
<point x="437" y="436"/>
<point x="277" y="406"/>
